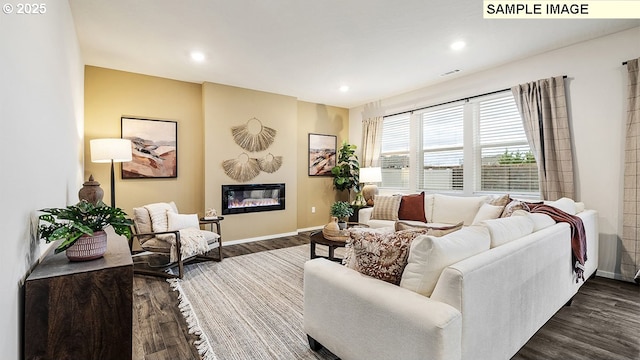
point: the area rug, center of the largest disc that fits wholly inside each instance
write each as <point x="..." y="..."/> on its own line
<point x="248" y="306"/>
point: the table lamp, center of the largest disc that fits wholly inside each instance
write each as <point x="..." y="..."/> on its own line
<point x="111" y="150"/>
<point x="368" y="176"/>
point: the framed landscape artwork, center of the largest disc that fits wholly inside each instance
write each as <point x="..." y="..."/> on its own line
<point x="322" y="154"/>
<point x="154" y="146"/>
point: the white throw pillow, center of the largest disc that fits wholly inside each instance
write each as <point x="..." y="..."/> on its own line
<point x="428" y="207"/>
<point x="182" y="221"/>
<point x="504" y="230"/>
<point x="452" y="209"/>
<point x="158" y="215"/>
<point x="540" y="221"/>
<point x="565" y="204"/>
<point x="429" y="255"/>
<point x="488" y="212"/>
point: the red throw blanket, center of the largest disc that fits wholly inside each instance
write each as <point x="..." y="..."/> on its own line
<point x="578" y="235"/>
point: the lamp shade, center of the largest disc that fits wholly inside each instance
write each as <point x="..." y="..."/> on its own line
<point x="370" y="175"/>
<point x="105" y="150"/>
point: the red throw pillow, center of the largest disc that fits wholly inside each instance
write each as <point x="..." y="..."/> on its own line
<point x="412" y="207"/>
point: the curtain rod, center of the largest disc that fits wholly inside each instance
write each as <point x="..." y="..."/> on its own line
<point x="452" y="101"/>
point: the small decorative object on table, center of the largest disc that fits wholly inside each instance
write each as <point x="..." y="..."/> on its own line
<point x="91" y="191"/>
<point x="210" y="214"/>
<point x="80" y="227"/>
<point x="332" y="231"/>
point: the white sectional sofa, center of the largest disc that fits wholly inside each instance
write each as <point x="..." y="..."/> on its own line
<point x="486" y="306"/>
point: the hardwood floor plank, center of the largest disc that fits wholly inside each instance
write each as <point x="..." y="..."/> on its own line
<point x="603" y="321"/>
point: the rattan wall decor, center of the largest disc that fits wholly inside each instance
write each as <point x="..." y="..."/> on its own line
<point x="242" y="169"/>
<point x="270" y="163"/>
<point x="251" y="140"/>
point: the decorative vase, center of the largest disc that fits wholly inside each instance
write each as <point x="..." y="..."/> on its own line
<point x="88" y="247"/>
<point x="91" y="191"/>
<point x="342" y="224"/>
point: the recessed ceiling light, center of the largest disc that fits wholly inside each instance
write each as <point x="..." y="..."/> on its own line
<point x="197" y="56"/>
<point x="458" y="45"/>
<point x="344" y="88"/>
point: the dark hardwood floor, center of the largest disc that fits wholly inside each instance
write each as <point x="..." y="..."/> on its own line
<point x="602" y="323"/>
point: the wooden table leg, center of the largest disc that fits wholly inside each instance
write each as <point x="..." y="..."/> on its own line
<point x="313" y="250"/>
<point x="331" y="250"/>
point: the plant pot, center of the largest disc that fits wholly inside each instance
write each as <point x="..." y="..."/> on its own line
<point x="342" y="225"/>
<point x="88" y="247"/>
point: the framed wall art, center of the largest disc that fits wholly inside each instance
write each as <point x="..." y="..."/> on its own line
<point x="322" y="154"/>
<point x="154" y="146"/>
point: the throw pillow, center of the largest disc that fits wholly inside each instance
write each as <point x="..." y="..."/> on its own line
<point x="182" y="221"/>
<point x="565" y="204"/>
<point x="508" y="229"/>
<point x="386" y="207"/>
<point x="540" y="221"/>
<point x="436" y="231"/>
<point x="500" y="200"/>
<point x="429" y="255"/>
<point x="488" y="212"/>
<point x="512" y="206"/>
<point x="412" y="207"/>
<point x="380" y="255"/>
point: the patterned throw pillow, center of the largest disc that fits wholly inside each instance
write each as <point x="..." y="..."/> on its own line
<point x="380" y="255"/>
<point x="386" y="207"/>
<point x="436" y="231"/>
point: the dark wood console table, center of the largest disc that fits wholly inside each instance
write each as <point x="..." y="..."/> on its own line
<point x="80" y="310"/>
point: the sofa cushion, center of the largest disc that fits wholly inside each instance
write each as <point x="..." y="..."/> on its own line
<point x="428" y="207"/>
<point x="488" y="212"/>
<point x="386" y="207"/>
<point x="429" y="255"/>
<point x="432" y="229"/>
<point x="379" y="254"/>
<point x="565" y="204"/>
<point x="412" y="207"/>
<point x="540" y="221"/>
<point x="452" y="209"/>
<point x="504" y="230"/>
<point x="512" y="206"/>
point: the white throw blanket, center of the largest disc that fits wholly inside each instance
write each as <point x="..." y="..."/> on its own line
<point x="192" y="242"/>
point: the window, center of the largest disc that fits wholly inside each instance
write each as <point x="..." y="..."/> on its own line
<point x="477" y="145"/>
<point x="394" y="153"/>
<point x="507" y="162"/>
<point x="442" y="148"/>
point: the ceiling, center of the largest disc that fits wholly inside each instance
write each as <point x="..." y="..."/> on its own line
<point x="309" y="48"/>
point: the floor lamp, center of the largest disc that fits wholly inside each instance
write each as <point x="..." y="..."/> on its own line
<point x="111" y="150"/>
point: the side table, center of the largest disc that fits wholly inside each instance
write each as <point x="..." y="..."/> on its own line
<point x="211" y="223"/>
<point x="317" y="237"/>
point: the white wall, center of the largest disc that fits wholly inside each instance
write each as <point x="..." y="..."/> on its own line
<point x="41" y="131"/>
<point x="597" y="99"/>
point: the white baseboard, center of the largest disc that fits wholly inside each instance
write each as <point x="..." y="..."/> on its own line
<point x="248" y="240"/>
<point x="611" y="275"/>
<point x="311" y="228"/>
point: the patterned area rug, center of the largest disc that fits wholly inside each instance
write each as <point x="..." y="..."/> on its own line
<point x="249" y="306"/>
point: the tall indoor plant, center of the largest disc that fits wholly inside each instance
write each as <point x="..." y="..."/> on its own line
<point x="347" y="170"/>
<point x="83" y="223"/>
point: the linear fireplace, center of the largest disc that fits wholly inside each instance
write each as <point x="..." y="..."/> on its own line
<point x="246" y="198"/>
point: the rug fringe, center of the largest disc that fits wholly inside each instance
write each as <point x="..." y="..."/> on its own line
<point x="202" y="344"/>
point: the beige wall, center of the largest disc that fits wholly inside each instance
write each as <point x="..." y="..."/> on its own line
<point x="227" y="106"/>
<point x="317" y="191"/>
<point x="111" y="94"/>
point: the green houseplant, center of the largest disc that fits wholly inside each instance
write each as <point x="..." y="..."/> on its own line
<point x="342" y="210"/>
<point x="346" y="173"/>
<point x="83" y="220"/>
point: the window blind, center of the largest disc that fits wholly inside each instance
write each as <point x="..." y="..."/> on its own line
<point x="394" y="154"/>
<point x="507" y="162"/>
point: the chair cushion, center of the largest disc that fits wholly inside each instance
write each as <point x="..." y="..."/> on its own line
<point x="142" y="223"/>
<point x="181" y="221"/>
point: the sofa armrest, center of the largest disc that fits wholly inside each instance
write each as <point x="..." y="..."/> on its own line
<point x="358" y="317"/>
<point x="364" y="215"/>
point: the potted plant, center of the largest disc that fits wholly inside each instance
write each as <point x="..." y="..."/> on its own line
<point x="81" y="228"/>
<point x="346" y="173"/>
<point x="341" y="210"/>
